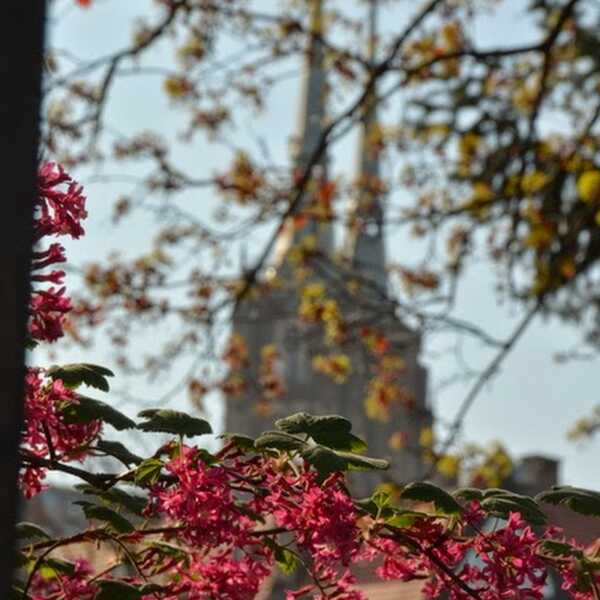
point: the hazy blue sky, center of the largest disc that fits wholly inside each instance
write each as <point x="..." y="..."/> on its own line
<point x="533" y="401"/>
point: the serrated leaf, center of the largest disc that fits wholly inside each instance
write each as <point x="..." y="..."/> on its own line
<point x="150" y="588"/>
<point x="117" y="590"/>
<point x="358" y="462"/>
<point x="502" y="502"/>
<point x="585" y="502"/>
<point x="206" y="457"/>
<point x="118" y="451"/>
<point x="113" y="519"/>
<point x="335" y="432"/>
<point x="468" y="494"/>
<point x="332" y="431"/>
<point x="115" y="496"/>
<point x="88" y="409"/>
<point x="404" y="518"/>
<point x="30" y="531"/>
<point x="243" y="442"/>
<point x="555" y="548"/>
<point x="173" y="421"/>
<point x="422" y="491"/>
<point x="296" y="423"/>
<point x="148" y="471"/>
<point x="279" y="440"/>
<point x="327" y="460"/>
<point x="75" y="374"/>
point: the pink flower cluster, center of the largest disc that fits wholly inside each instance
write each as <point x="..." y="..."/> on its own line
<point x="324" y="521"/>
<point x="58" y="210"/>
<point x="232" y="563"/>
<point x="502" y="564"/>
<point x="203" y="499"/>
<point x="46" y="434"/>
<point x="210" y="507"/>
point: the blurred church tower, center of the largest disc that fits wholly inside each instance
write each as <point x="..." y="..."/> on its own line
<point x="272" y="318"/>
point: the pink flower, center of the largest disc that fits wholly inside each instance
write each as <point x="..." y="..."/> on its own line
<point x="322" y="516"/>
<point x="202" y="499"/>
<point x="222" y="577"/>
<point x="48" y="309"/>
<point x="46" y="431"/>
<point x="59" y="211"/>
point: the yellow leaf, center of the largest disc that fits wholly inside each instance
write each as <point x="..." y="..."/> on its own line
<point x="588" y="186"/>
<point x="448" y="465"/>
<point x="426" y="437"/>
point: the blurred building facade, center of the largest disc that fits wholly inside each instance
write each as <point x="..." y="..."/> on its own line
<point x="272" y="319"/>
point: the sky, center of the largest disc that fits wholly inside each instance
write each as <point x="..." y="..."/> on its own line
<point x="529" y="405"/>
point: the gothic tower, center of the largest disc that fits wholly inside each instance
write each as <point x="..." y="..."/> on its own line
<point x="272" y="318"/>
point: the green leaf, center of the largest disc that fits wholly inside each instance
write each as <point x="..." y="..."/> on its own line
<point x="332" y="431"/>
<point x="404" y="518"/>
<point x="296" y="423"/>
<point x="76" y="374"/>
<point x="358" y="462"/>
<point x="113" y="519"/>
<point x="115" y="496"/>
<point x="335" y="432"/>
<point x="422" y="491"/>
<point x="88" y="409"/>
<point x="173" y="421"/>
<point x="502" y="502"/>
<point x="31" y="344"/>
<point x="117" y="590"/>
<point x="206" y="457"/>
<point x="243" y="442"/>
<point x="327" y="461"/>
<point x="380" y="505"/>
<point x="150" y="588"/>
<point x="286" y="560"/>
<point x="468" y="494"/>
<point x="52" y="567"/>
<point x="279" y="440"/>
<point x="118" y="451"/>
<point x="30" y="531"/>
<point x="148" y="471"/>
<point x="554" y="548"/>
<point x="585" y="502"/>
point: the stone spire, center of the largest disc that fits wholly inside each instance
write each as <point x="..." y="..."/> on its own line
<point x="312" y="124"/>
<point x="365" y="245"/>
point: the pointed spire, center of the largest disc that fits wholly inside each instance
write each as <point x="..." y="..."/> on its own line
<point x="365" y="247"/>
<point x="312" y="124"/>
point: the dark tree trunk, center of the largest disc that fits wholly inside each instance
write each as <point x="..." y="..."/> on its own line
<point x="20" y="73"/>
